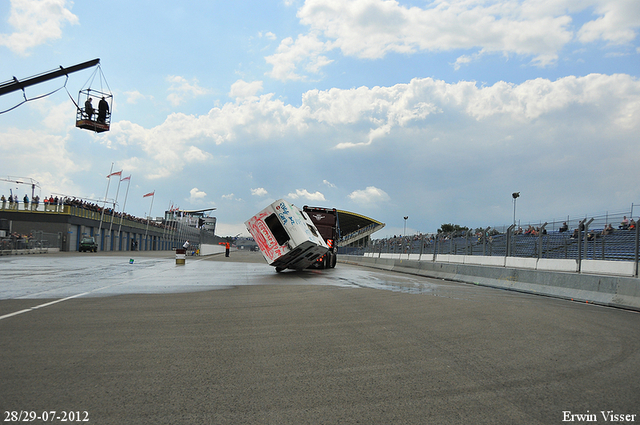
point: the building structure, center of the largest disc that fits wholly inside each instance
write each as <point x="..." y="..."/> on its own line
<point x="63" y="226"/>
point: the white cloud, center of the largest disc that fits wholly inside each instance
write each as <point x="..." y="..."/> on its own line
<point x="371" y="29"/>
<point x="135" y="96"/>
<point x="617" y="23"/>
<point x="35" y="22"/>
<point x="304" y="193"/>
<point x="194" y="154"/>
<point x="167" y="148"/>
<point x="363" y="117"/>
<point x="181" y="89"/>
<point x="55" y="116"/>
<point x="369" y="196"/>
<point x="411" y="135"/>
<point x="243" y="89"/>
<point x="268" y="34"/>
<point x="231" y="197"/>
<point x="306" y="51"/>
<point x="259" y="192"/>
<point x="39" y="147"/>
<point x="196" y="195"/>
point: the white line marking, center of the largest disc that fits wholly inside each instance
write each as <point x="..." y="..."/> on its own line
<point x="46" y="304"/>
<point x="6" y="316"/>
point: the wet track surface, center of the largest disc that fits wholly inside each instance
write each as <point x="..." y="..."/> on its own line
<point x="229" y="340"/>
<point x="95" y="275"/>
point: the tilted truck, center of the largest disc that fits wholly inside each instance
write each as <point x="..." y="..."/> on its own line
<point x="326" y="221"/>
<point x="286" y="236"/>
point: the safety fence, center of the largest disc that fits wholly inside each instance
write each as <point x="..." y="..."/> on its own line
<point x="35" y="241"/>
<point x="608" y="237"/>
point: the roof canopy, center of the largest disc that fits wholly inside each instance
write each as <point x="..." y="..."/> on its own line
<point x="355" y="226"/>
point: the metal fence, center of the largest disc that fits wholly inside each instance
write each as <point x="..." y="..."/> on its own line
<point x="35" y="241"/>
<point x="608" y="237"/>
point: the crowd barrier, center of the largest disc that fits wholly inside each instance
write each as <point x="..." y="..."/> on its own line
<point x="598" y="283"/>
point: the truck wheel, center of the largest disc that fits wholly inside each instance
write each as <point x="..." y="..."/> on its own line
<point x="334" y="260"/>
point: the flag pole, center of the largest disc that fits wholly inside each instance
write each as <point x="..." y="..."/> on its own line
<point x="153" y="195"/>
<point x="103" y="205"/>
<point x="128" y="179"/>
<point x="113" y="210"/>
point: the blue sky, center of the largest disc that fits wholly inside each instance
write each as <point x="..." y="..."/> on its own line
<point x="433" y="110"/>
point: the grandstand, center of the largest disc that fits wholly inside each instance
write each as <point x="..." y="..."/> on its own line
<point x="355" y="227"/>
<point x="62" y="224"/>
<point x="585" y="239"/>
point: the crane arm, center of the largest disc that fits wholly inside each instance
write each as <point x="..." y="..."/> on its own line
<point x="15" y="84"/>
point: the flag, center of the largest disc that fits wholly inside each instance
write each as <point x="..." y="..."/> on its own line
<point x="126" y="178"/>
<point x="117" y="173"/>
<point x="150" y="194"/>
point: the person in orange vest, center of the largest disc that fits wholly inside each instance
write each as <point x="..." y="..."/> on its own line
<point x="227" y="245"/>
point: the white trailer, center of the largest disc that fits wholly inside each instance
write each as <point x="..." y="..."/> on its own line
<point x="286" y="236"/>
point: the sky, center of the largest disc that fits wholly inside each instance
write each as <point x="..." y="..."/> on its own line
<point x="433" y="110"/>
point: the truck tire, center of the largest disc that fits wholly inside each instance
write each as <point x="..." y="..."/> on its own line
<point x="334" y="260"/>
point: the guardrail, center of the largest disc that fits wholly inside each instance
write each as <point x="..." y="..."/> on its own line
<point x="35" y="243"/>
<point x="585" y="242"/>
<point x="612" y="286"/>
<point x="76" y="211"/>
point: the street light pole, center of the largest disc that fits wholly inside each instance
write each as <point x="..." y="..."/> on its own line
<point x="515" y="196"/>
<point x="405" y="225"/>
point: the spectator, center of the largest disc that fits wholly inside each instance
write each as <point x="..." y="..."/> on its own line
<point x="624" y="225"/>
<point x="564" y="227"/>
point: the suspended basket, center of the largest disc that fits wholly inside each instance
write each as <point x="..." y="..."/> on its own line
<point x="94" y="106"/>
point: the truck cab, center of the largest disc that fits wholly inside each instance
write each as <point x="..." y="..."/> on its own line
<point x="286" y="236"/>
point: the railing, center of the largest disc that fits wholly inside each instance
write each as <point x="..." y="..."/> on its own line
<point x="76" y="211"/>
<point x="36" y="241"/>
<point x="585" y="239"/>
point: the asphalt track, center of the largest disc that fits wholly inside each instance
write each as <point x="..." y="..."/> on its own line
<point x="229" y="341"/>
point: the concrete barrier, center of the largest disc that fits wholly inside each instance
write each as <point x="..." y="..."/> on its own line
<point x="484" y="260"/>
<point x="456" y="259"/>
<point x="442" y="258"/>
<point x="616" y="268"/>
<point x="602" y="288"/>
<point x="208" y="249"/>
<point x="558" y="265"/>
<point x="521" y="263"/>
